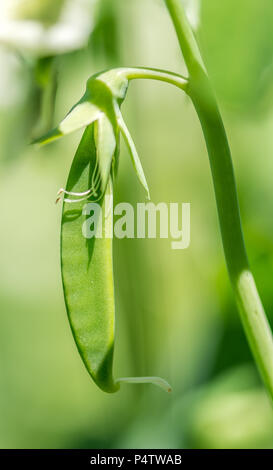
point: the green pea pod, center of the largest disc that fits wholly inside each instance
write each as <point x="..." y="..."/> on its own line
<point x="87" y="273"/>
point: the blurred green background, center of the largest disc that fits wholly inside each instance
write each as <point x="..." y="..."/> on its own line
<point x="176" y="316"/>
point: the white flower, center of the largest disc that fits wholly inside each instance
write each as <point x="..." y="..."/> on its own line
<point x="46" y="27"/>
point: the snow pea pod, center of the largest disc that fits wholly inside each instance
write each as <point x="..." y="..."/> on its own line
<point x="86" y="261"/>
<point x="87" y="273"/>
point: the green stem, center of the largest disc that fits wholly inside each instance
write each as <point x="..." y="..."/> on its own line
<point x="158" y="381"/>
<point x="251" y="310"/>
<point x="46" y="77"/>
<point x="157" y="74"/>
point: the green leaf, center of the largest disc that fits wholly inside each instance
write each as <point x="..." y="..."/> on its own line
<point x="134" y="155"/>
<point x="81" y="115"/>
<point x="48" y="137"/>
<point x="103" y="93"/>
<point x="106" y="144"/>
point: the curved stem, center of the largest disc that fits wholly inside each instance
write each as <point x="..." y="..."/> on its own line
<point x="251" y="310"/>
<point x="157" y="74"/>
<point x="158" y="381"/>
<point x="130" y="73"/>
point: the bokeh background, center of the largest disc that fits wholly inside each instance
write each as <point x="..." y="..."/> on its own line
<point x="176" y="316"/>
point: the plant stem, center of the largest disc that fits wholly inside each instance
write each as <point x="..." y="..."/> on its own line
<point x="157" y="74"/>
<point x="147" y="380"/>
<point x="199" y="89"/>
